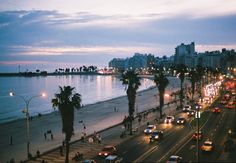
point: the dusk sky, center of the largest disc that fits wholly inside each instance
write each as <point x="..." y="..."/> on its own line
<point x="52" y="33"/>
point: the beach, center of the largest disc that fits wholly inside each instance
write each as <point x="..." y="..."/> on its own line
<point x="94" y="117"/>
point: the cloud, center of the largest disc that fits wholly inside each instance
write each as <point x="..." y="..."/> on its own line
<point x="36" y="33"/>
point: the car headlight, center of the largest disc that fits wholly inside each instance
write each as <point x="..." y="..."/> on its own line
<point x="182" y="121"/>
<point x="156" y="137"/>
<point x="177" y="121"/>
<point x="105" y="154"/>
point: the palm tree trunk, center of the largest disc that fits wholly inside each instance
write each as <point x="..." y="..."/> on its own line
<point x="67" y="151"/>
<point x="181" y="94"/>
<point x="161" y="103"/>
<point x="131" y="131"/>
<point x="193" y="90"/>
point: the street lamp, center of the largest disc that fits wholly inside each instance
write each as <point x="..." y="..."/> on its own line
<point x="26" y="111"/>
<point x="198" y="117"/>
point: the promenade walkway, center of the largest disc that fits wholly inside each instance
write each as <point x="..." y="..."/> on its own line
<point x="110" y="136"/>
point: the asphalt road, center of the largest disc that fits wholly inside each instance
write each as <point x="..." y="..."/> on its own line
<point x="177" y="140"/>
<point x="215" y="130"/>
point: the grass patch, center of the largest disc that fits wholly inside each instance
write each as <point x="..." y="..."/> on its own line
<point x="202" y="120"/>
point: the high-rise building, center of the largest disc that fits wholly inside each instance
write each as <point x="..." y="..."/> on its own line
<point x="184" y="54"/>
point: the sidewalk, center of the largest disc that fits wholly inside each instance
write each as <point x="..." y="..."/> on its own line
<point x="110" y="136"/>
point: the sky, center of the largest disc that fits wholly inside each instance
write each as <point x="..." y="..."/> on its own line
<point x="69" y="33"/>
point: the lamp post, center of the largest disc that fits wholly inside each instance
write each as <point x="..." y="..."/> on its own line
<point x="198" y="117"/>
<point x="26" y="111"/>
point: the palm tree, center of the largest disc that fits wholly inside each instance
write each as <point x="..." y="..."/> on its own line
<point x="161" y="83"/>
<point x="66" y="101"/>
<point x="131" y="79"/>
<point x="181" y="70"/>
<point x="193" y="79"/>
<point x="200" y="73"/>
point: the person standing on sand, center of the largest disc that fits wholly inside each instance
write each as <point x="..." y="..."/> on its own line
<point x="45" y="136"/>
<point x="11" y="141"/>
<point x="51" y="136"/>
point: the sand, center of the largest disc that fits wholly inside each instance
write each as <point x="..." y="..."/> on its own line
<point x="94" y="116"/>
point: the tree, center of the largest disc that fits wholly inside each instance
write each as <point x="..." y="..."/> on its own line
<point x="181" y="70"/>
<point x="66" y="101"/>
<point x="200" y="73"/>
<point x="161" y="83"/>
<point x="131" y="79"/>
<point x="193" y="77"/>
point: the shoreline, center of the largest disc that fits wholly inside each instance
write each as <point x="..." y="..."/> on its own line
<point x="96" y="116"/>
<point x="87" y="105"/>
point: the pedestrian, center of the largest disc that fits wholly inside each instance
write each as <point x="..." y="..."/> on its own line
<point x="114" y="109"/>
<point x="84" y="126"/>
<point x="61" y="150"/>
<point x="63" y="143"/>
<point x="99" y="139"/>
<point x="38" y="153"/>
<point x="12" y="160"/>
<point x="51" y="136"/>
<point x="11" y="141"/>
<point x="45" y="136"/>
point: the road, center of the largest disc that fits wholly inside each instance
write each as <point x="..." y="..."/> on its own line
<point x="177" y="140"/>
<point x="216" y="130"/>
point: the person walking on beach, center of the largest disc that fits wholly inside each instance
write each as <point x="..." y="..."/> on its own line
<point x="51" y="136"/>
<point x="11" y="141"/>
<point x="45" y="136"/>
<point x="61" y="150"/>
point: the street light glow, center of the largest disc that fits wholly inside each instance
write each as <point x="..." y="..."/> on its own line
<point x="43" y="94"/>
<point x="11" y="93"/>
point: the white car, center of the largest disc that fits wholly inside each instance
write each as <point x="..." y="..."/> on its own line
<point x="169" y="119"/>
<point x="150" y="129"/>
<point x="174" y="159"/>
<point x="186" y="108"/>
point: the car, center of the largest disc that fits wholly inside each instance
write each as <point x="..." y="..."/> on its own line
<point x="113" y="159"/>
<point x="150" y="129"/>
<point x="174" y="159"/>
<point x="156" y="135"/>
<point x="216" y="110"/>
<point x="198" y="135"/>
<point x="107" y="150"/>
<point x="180" y="120"/>
<point x="88" y="161"/>
<point x="230" y="105"/>
<point x="223" y="102"/>
<point x="198" y="106"/>
<point x="191" y="113"/>
<point x="207" y="146"/>
<point x="186" y="108"/>
<point x="206" y="100"/>
<point x="169" y="119"/>
<point x="227" y="96"/>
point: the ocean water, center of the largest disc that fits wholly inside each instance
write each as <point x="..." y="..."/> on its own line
<point x="93" y="88"/>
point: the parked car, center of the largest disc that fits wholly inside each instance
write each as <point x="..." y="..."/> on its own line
<point x="180" y="120"/>
<point x="107" y="150"/>
<point x="88" y="161"/>
<point x="150" y="129"/>
<point x="113" y="159"/>
<point x="169" y="119"/>
<point x="156" y="135"/>
<point x="174" y="159"/>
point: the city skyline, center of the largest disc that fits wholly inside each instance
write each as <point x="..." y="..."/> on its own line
<point x="87" y="32"/>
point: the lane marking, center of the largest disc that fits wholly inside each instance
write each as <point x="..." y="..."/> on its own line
<point x="147" y="153"/>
